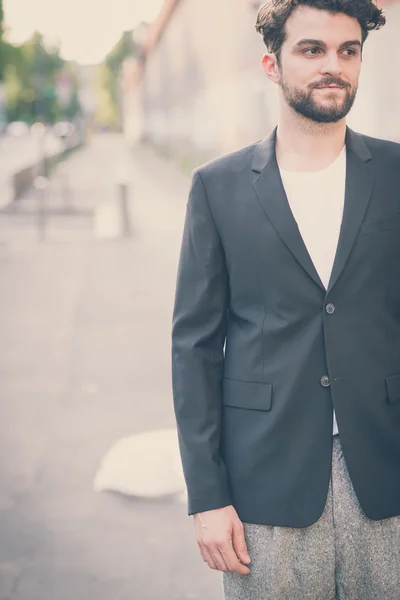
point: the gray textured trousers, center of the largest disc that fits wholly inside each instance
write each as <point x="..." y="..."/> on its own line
<point x="343" y="556"/>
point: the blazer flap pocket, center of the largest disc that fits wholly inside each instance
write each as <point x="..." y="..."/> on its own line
<point x="393" y="388"/>
<point x="244" y="394"/>
<point x="382" y="224"/>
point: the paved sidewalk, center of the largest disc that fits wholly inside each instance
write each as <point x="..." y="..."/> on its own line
<point x="16" y="153"/>
<point x="85" y="360"/>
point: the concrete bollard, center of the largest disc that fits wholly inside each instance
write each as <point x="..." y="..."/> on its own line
<point x="41" y="184"/>
<point x="122" y="177"/>
<point x="65" y="187"/>
<point x="126" y="229"/>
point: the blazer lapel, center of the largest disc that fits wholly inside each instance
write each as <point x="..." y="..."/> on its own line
<point x="271" y="193"/>
<point x="359" y="184"/>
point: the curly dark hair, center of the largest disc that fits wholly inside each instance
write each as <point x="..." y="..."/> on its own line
<point x="272" y="17"/>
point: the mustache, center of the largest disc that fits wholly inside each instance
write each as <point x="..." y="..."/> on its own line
<point x="330" y="81"/>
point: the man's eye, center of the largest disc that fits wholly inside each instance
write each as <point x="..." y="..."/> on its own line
<point x="312" y="51"/>
<point x="351" y="52"/>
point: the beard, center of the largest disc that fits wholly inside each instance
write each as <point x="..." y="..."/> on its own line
<point x="304" y="103"/>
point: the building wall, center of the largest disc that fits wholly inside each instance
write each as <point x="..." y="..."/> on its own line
<point x="202" y="89"/>
<point x="203" y="92"/>
<point x="377" y="109"/>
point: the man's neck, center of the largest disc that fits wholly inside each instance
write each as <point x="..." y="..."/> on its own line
<point x="304" y="145"/>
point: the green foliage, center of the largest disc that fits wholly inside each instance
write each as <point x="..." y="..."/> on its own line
<point x="30" y="72"/>
<point x="106" y="109"/>
<point x="3" y="45"/>
<point x="123" y="48"/>
<point x="74" y="108"/>
<point x="108" y="80"/>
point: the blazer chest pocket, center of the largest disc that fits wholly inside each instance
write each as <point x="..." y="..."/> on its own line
<point x="248" y="395"/>
<point x="393" y="388"/>
<point x="381" y="225"/>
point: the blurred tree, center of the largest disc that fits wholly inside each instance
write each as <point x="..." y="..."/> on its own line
<point x="1" y="41"/>
<point x="72" y="107"/>
<point x="3" y="52"/>
<point x="29" y="78"/>
<point x="30" y="73"/>
<point x="41" y="65"/>
<point x="126" y="46"/>
<point x="5" y="49"/>
<point x="108" y="111"/>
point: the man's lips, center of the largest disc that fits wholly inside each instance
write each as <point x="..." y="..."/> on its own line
<point x="332" y="87"/>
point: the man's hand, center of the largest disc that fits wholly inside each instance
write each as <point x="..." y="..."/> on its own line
<point x="220" y="537"/>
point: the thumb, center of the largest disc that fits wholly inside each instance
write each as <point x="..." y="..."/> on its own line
<point x="239" y="543"/>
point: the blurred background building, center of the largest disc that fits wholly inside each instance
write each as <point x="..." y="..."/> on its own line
<point x="196" y="88"/>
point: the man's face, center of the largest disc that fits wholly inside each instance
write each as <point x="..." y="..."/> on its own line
<point x="320" y="64"/>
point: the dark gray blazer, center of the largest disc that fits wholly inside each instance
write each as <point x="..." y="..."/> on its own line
<point x="261" y="351"/>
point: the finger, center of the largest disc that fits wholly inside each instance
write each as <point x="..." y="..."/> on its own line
<point x="232" y="561"/>
<point x="219" y="559"/>
<point x="239" y="543"/>
<point x="208" y="558"/>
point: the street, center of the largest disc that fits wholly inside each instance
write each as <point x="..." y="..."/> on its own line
<point x="85" y="320"/>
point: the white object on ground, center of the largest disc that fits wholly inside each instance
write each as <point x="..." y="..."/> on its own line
<point x="144" y="465"/>
<point x="107" y="220"/>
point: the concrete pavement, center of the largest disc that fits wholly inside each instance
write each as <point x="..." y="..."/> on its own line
<point x="17" y="153"/>
<point x="85" y="359"/>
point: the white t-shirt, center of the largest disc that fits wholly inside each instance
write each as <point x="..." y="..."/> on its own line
<point x="316" y="199"/>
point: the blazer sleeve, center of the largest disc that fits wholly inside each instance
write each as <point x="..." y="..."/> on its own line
<point x="198" y="336"/>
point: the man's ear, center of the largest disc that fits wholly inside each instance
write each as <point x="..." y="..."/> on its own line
<point x="270" y="67"/>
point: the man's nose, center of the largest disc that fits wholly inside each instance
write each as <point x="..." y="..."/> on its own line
<point x="331" y="64"/>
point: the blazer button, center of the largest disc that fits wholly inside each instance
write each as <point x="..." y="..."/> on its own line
<point x="330" y="309"/>
<point x="325" y="381"/>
